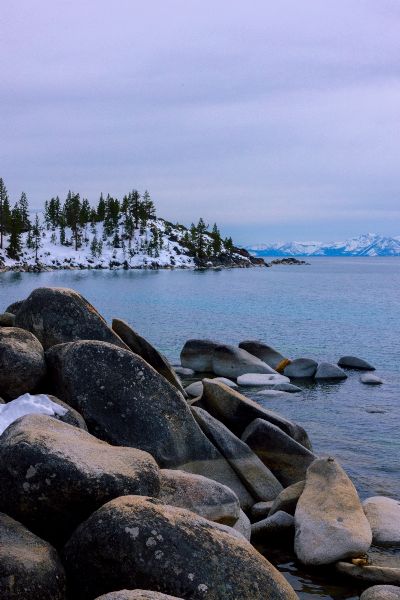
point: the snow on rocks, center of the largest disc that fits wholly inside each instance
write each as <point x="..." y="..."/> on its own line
<point x="261" y="379"/>
<point x="27" y="404"/>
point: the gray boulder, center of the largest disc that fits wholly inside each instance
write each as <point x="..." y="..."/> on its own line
<point x="7" y="320"/>
<point x="328" y="371"/>
<point x="56" y="475"/>
<point x="257" y="478"/>
<point x="279" y="525"/>
<point x="138" y="542"/>
<point x="195" y="389"/>
<point x="383" y="515"/>
<point x="22" y="363"/>
<point x="370" y="573"/>
<point x="301" y="368"/>
<point x="287" y="387"/>
<point x="261" y="379"/>
<point x="30" y="568"/>
<point x="353" y="362"/>
<point x="243" y="526"/>
<point x="137" y="595"/>
<point x="59" y="315"/>
<point x="184" y="372"/>
<point x="381" y="592"/>
<point x="287" y="459"/>
<point x="288" y="498"/>
<point x="260" y="510"/>
<point x="370" y="379"/>
<point x="267" y="354"/>
<point x="197" y="355"/>
<point x="231" y="361"/>
<point x="139" y="345"/>
<point x="236" y="411"/>
<point x="329" y="520"/>
<point x="126" y="402"/>
<point x="201" y="495"/>
<point x="14" y="307"/>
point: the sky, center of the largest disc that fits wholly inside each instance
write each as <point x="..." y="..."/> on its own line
<point x="278" y="120"/>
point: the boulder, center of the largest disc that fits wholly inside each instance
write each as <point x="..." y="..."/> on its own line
<point x="197" y="355"/>
<point x="383" y="515"/>
<point x="279" y="525"/>
<point x="183" y="372"/>
<point x="139" y="345"/>
<point x="231" y="362"/>
<point x="329" y="371"/>
<point x="56" y="475"/>
<point x="301" y="368"/>
<point x="353" y="362"/>
<point x="71" y="416"/>
<point x="135" y="542"/>
<point x="287" y="459"/>
<point x="14" y="307"/>
<point x="7" y="320"/>
<point x="257" y="478"/>
<point x="329" y="520"/>
<point x="267" y="354"/>
<point x="261" y="379"/>
<point x="287" y="387"/>
<point x="22" y="363"/>
<point x="126" y="402"/>
<point x="370" y="379"/>
<point x="381" y="592"/>
<point x="288" y="498"/>
<point x="227" y="382"/>
<point x="236" y="411"/>
<point x="59" y="315"/>
<point x="195" y="389"/>
<point x="136" y="595"/>
<point x="201" y="495"/>
<point x="260" y="510"/>
<point x="370" y="573"/>
<point x="30" y="568"/>
<point x="243" y="526"/>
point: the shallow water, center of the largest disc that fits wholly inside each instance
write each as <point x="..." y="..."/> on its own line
<point x="333" y="307"/>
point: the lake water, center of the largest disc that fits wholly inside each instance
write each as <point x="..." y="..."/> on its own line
<point x="333" y="307"/>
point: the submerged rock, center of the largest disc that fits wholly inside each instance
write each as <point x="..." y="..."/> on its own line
<point x="22" y="363"/>
<point x="133" y="541"/>
<point x="353" y="362"/>
<point x="381" y="592"/>
<point x="330" y="523"/>
<point x="370" y="379"/>
<point x="260" y="379"/>
<point x="383" y="515"/>
<point x="59" y="315"/>
<point x="328" y="371"/>
<point x="53" y="475"/>
<point x="231" y="361"/>
<point x="287" y="387"/>
<point x="30" y="568"/>
<point x="301" y="368"/>
<point x="197" y="354"/>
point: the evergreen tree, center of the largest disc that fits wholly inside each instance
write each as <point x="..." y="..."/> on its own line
<point x="72" y="209"/>
<point x="200" y="244"/>
<point x="101" y="209"/>
<point x="24" y="210"/>
<point x="36" y="236"/>
<point x="228" y="243"/>
<point x="4" y="211"/>
<point x="93" y="246"/>
<point x="15" y="224"/>
<point x="111" y="215"/>
<point x="216" y="243"/>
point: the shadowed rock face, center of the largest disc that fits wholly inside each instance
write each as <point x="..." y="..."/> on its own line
<point x="197" y="354"/>
<point x="56" y="475"/>
<point x="143" y="348"/>
<point x="22" y="364"/>
<point x="59" y="315"/>
<point x="136" y="595"/>
<point x="29" y="567"/>
<point x="14" y="307"/>
<point x="267" y="354"/>
<point x="137" y="542"/>
<point x="126" y="402"/>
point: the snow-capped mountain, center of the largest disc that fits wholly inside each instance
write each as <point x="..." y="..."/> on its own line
<point x="370" y="244"/>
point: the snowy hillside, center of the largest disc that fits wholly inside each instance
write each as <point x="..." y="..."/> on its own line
<point x="370" y="244"/>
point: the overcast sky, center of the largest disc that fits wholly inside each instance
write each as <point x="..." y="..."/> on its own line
<point x="278" y="120"/>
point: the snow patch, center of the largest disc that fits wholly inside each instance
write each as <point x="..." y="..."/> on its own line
<point x="28" y="404"/>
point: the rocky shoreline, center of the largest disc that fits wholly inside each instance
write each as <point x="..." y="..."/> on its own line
<point x="120" y="481"/>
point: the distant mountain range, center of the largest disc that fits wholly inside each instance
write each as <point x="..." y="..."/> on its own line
<point x="370" y="244"/>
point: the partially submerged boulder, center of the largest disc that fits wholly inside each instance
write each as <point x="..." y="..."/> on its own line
<point x="231" y="361"/>
<point x="139" y="345"/>
<point x="353" y="362"/>
<point x="370" y="573"/>
<point x="30" y="568"/>
<point x="383" y="515"/>
<point x="197" y="354"/>
<point x="267" y="354"/>
<point x="330" y="523"/>
<point x="135" y="542"/>
<point x="287" y="459"/>
<point x="56" y="475"/>
<point x="261" y="379"/>
<point x="301" y="368"/>
<point x="326" y="371"/>
<point x="59" y="315"/>
<point x="370" y="379"/>
<point x="201" y="495"/>
<point x="22" y="363"/>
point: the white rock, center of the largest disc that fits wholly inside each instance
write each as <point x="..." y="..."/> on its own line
<point x="261" y="379"/>
<point x="195" y="389"/>
<point x="383" y="515"/>
<point x="226" y="381"/>
<point x="370" y="379"/>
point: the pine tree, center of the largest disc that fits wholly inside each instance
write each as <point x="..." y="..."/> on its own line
<point x="101" y="209"/>
<point x="72" y="209"/>
<point x="200" y="247"/>
<point x="4" y="211"/>
<point x="216" y="244"/>
<point x="14" y="243"/>
<point x="24" y="210"/>
<point x="36" y="236"/>
<point x="93" y="246"/>
<point x="228" y="243"/>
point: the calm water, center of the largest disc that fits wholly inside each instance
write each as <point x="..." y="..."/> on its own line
<point x="333" y="307"/>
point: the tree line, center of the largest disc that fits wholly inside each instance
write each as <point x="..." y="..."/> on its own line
<point x="120" y="221"/>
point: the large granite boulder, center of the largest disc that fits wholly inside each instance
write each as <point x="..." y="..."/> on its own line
<point x="136" y="595"/>
<point x="370" y="573"/>
<point x="328" y="371"/>
<point x="257" y="478"/>
<point x="30" y="568"/>
<point x="288" y="498"/>
<point x="329" y="519"/>
<point x="231" y="361"/>
<point x="383" y="515"/>
<point x="139" y="345"/>
<point x="267" y="354"/>
<point x="201" y="495"/>
<point x="53" y="475"/>
<point x="22" y="363"/>
<point x="353" y="362"/>
<point x="301" y="368"/>
<point x="135" y="542"/>
<point x="126" y="402"/>
<point x="236" y="411"/>
<point x="381" y="592"/>
<point x="287" y="459"/>
<point x="59" y="315"/>
<point x="197" y="354"/>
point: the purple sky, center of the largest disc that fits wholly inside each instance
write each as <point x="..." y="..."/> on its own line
<point x="278" y="120"/>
